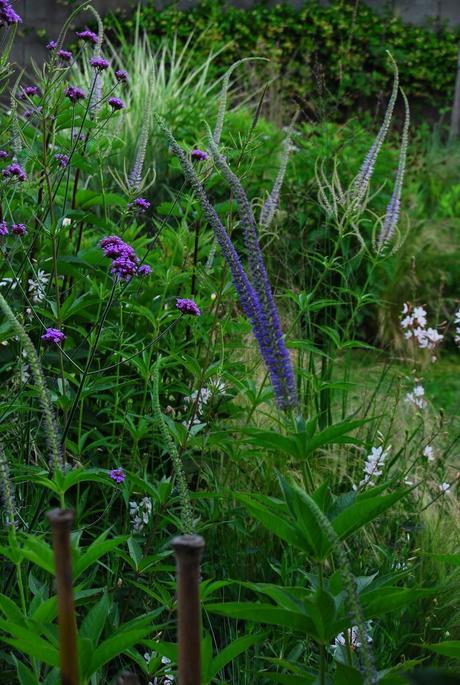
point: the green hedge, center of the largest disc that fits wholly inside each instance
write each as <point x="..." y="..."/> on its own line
<point x="326" y="58"/>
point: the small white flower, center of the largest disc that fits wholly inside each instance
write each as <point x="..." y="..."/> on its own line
<point x="66" y="221"/>
<point x="444" y="487"/>
<point x="354" y="636"/>
<point x="419" y="314"/>
<point x="374" y="465"/>
<point x="417" y="397"/>
<point x="428" y="453"/>
<point x="8" y="281"/>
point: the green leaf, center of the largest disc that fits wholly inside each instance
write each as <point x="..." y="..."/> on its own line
<point x="364" y="510"/>
<point x="233" y="650"/>
<point x="451" y="648"/>
<point x="95" y="551"/>
<point x="135" y="552"/>
<point x="115" y="645"/>
<point x="321" y="608"/>
<point x="39" y="552"/>
<point x="12" y="612"/>
<point x="264" y="613"/>
<point x="25" y="676"/>
<point x="271" y="519"/>
<point x="346" y="675"/>
<point x="94" y="621"/>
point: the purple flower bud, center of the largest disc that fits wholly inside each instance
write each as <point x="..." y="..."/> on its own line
<point x="65" y="55"/>
<point x="19" y="229"/>
<point x="51" y="45"/>
<point x="144" y="270"/>
<point x="62" y="160"/>
<point x="4" y="154"/>
<point x="54" y="336"/>
<point x="199" y="155"/>
<point x="187" y="307"/>
<point x="74" y="94"/>
<point x="15" y="169"/>
<point x="116" y="103"/>
<point x="121" y="75"/>
<point x="88" y="36"/>
<point x="118" y="475"/>
<point x="99" y="63"/>
<point x="3" y="228"/>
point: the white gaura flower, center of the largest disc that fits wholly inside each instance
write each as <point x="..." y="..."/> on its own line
<point x="373" y="468"/>
<point x="417" y="397"/>
<point x="37" y="287"/>
<point x="419" y="314"/>
<point x="428" y="453"/>
<point x="355" y="637"/>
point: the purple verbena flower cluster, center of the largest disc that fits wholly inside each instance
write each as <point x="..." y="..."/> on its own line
<point x="116" y="104"/>
<point x="199" y="155"/>
<point x="19" y="229"/>
<point x="62" y="160"/>
<point x="118" y="475"/>
<point x="74" y="94"/>
<point x="140" y="203"/>
<point x="121" y="75"/>
<point x="15" y="170"/>
<point x="54" y="336"/>
<point x="188" y="307"/>
<point x="125" y="262"/>
<point x="51" y="45"/>
<point x="8" y="16"/>
<point x="99" y="63"/>
<point x="4" y="154"/>
<point x="88" y="36"/>
<point x="28" y="92"/>
<point x="3" y="228"/>
<point x="65" y="55"/>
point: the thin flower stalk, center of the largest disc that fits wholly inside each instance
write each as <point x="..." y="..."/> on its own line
<point x="40" y="384"/>
<point x="135" y="177"/>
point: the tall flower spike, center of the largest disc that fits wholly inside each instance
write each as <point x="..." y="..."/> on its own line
<point x="96" y="97"/>
<point x="248" y="298"/>
<point x="270" y="206"/>
<point x="279" y="358"/>
<point x="184" y="494"/>
<point x="362" y="180"/>
<point x="7" y="490"/>
<point x="135" y="177"/>
<point x="40" y="385"/>
<point x="392" y="214"/>
<point x="222" y="101"/>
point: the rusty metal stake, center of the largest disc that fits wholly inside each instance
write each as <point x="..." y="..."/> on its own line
<point x="189" y="550"/>
<point x="61" y="522"/>
<point x="127" y="678"/>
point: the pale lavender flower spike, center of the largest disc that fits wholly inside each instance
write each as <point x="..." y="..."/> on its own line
<point x="361" y="183"/>
<point x="392" y="214"/>
<point x="271" y="203"/>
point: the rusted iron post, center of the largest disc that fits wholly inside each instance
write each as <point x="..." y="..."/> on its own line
<point x="127" y="678"/>
<point x="61" y="522"/>
<point x="189" y="550"/>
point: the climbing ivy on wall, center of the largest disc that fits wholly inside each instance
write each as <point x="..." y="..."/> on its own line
<point x="336" y="51"/>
